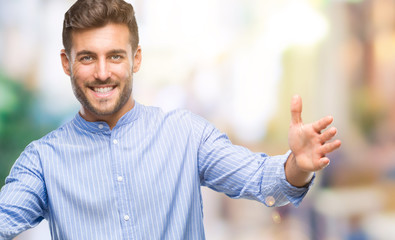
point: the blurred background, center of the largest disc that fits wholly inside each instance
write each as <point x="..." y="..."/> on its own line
<point x="237" y="63"/>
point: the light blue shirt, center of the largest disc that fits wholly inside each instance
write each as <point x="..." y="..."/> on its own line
<point x="140" y="180"/>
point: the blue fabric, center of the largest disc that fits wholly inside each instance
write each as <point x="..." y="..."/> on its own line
<point x="140" y="180"/>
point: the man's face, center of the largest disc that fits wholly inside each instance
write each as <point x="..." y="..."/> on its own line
<point x="101" y="64"/>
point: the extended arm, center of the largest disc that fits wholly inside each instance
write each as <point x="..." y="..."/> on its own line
<point x="23" y="198"/>
<point x="309" y="145"/>
<point x="240" y="173"/>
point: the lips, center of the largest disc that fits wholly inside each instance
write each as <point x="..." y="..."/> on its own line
<point x="103" y="91"/>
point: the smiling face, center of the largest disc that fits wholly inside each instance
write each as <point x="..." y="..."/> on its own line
<point x="101" y="64"/>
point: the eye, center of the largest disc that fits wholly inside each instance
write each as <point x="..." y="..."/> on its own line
<point x="116" y="57"/>
<point x="86" y="59"/>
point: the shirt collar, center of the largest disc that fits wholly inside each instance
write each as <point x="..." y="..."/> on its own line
<point x="101" y="126"/>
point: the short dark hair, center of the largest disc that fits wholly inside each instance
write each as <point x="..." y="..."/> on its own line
<point x="85" y="14"/>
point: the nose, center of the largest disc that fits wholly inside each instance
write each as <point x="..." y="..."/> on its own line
<point x="102" y="71"/>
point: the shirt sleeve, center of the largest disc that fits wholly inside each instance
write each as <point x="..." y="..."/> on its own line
<point x="240" y="173"/>
<point x="23" y="197"/>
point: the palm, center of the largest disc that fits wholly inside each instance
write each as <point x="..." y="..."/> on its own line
<point x="308" y="142"/>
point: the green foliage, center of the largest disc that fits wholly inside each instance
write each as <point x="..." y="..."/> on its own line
<point x="18" y="126"/>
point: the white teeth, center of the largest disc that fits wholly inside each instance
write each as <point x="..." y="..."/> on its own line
<point x="103" y="89"/>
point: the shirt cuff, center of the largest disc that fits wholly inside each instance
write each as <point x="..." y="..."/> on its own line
<point x="294" y="194"/>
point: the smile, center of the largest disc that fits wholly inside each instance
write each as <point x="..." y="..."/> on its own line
<point x="103" y="89"/>
<point x="103" y="92"/>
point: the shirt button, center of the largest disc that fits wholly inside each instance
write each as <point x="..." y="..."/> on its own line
<point x="100" y="126"/>
<point x="115" y="141"/>
<point x="126" y="217"/>
<point x="120" y="178"/>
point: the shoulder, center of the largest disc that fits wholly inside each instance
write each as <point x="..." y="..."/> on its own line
<point x="61" y="132"/>
<point x="177" y="116"/>
<point x="31" y="156"/>
<point x="59" y="135"/>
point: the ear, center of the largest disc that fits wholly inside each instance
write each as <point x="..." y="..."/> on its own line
<point x="137" y="60"/>
<point x="65" y="62"/>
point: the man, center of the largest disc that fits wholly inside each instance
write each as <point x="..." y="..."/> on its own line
<point x="121" y="170"/>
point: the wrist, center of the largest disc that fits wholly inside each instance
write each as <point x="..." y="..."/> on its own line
<point x="295" y="175"/>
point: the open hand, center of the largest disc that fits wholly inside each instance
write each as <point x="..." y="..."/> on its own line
<point x="309" y="142"/>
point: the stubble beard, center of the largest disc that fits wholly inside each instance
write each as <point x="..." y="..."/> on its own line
<point x="124" y="96"/>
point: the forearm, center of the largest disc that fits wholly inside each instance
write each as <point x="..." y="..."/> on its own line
<point x="294" y="175"/>
<point x="19" y="209"/>
<point x="8" y="227"/>
<point x="23" y="198"/>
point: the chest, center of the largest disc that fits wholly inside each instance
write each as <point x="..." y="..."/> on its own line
<point x="139" y="167"/>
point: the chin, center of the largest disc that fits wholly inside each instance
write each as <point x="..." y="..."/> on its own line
<point x="100" y="112"/>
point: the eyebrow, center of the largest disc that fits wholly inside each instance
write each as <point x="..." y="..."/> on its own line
<point x="117" y="51"/>
<point x="114" y="51"/>
<point x="84" y="52"/>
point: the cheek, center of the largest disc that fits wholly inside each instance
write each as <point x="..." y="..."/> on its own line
<point x="123" y="71"/>
<point x="82" y="72"/>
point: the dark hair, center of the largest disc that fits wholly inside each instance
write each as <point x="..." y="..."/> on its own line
<point x="85" y="14"/>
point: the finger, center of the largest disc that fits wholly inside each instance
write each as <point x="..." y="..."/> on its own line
<point x="328" y="134"/>
<point x="324" y="162"/>
<point x="330" y="147"/>
<point x="321" y="124"/>
<point x="296" y="109"/>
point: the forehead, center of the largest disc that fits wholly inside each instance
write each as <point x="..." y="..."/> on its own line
<point x="111" y="36"/>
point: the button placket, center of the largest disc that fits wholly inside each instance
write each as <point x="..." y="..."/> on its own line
<point x="119" y="180"/>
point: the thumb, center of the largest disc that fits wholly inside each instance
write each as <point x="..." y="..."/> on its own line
<point x="296" y="109"/>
